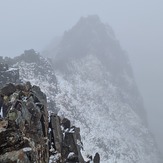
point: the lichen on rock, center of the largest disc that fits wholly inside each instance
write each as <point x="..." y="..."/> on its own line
<point x="24" y="124"/>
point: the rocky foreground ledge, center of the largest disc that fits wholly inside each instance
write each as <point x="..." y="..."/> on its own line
<point x="29" y="134"/>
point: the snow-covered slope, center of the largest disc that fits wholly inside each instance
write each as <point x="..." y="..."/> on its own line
<point x="36" y="69"/>
<point x="108" y="124"/>
<point x="97" y="91"/>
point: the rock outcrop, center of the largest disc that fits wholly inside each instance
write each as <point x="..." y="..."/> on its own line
<point x="28" y="133"/>
<point x="8" y="74"/>
<point x="64" y="141"/>
<point x="23" y="124"/>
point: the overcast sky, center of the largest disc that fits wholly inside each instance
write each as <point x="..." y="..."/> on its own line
<point x="138" y="25"/>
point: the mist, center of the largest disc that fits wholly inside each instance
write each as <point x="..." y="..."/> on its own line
<point x="138" y="26"/>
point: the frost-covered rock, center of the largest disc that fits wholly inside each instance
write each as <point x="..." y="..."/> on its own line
<point x="28" y="134"/>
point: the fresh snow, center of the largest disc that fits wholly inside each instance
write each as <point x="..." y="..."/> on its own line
<point x="92" y="101"/>
<point x="108" y="124"/>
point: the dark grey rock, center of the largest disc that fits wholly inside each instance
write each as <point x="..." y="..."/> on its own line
<point x="56" y="131"/>
<point x="8" y="89"/>
<point x="24" y="127"/>
<point x="96" y="158"/>
<point x="66" y="123"/>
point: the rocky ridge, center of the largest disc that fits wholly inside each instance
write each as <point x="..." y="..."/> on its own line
<point x="28" y="133"/>
<point x="118" y="134"/>
<point x="38" y="70"/>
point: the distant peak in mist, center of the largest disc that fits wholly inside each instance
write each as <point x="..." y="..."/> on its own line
<point x="91" y="19"/>
<point x="88" y="36"/>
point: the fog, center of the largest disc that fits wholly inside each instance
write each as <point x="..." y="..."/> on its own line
<point x="138" y="26"/>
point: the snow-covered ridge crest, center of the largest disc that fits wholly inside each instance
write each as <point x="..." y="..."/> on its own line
<point x="39" y="72"/>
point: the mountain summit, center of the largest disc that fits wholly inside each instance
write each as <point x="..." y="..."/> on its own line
<point x="98" y="92"/>
<point x="89" y="36"/>
<point x="92" y="40"/>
